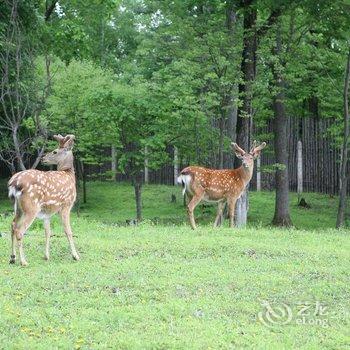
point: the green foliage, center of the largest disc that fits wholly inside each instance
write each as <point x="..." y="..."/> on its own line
<point x="145" y="76"/>
<point x="83" y="102"/>
<point x="311" y="62"/>
<point x="192" y="59"/>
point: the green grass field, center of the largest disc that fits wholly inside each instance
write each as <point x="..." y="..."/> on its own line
<point x="160" y="285"/>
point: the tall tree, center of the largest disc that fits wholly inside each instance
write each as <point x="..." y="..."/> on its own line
<point x="20" y="133"/>
<point x="346" y="134"/>
<point x="281" y="217"/>
<point x="248" y="69"/>
<point x="251" y="37"/>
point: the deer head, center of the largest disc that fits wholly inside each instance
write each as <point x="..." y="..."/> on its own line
<point x="248" y="158"/>
<point x="61" y="156"/>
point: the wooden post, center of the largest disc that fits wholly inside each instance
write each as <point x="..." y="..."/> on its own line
<point x="300" y="169"/>
<point x="258" y="174"/>
<point x="113" y="162"/>
<point x="176" y="165"/>
<point x="146" y="166"/>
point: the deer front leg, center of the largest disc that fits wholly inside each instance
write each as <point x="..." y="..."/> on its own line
<point x="47" y="229"/>
<point x="22" y="257"/>
<point x="219" y="218"/>
<point x="231" y="210"/>
<point x="65" y="215"/>
<point x="192" y="205"/>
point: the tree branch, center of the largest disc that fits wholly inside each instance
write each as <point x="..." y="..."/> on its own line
<point x="274" y="15"/>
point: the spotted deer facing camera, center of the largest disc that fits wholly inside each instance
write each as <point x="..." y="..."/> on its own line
<point x="41" y="194"/>
<point x="220" y="186"/>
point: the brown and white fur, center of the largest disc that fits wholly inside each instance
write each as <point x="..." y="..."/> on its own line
<point x="41" y="194"/>
<point x="220" y="186"/>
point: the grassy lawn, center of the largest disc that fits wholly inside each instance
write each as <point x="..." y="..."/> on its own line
<point x="161" y="285"/>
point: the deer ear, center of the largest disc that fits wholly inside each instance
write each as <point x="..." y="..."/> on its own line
<point x="68" y="142"/>
<point x="238" y="150"/>
<point x="257" y="150"/>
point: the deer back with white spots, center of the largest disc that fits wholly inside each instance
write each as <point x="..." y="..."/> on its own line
<point x="221" y="186"/>
<point x="41" y="194"/>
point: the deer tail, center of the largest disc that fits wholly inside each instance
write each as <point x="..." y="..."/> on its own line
<point x="14" y="194"/>
<point x="184" y="180"/>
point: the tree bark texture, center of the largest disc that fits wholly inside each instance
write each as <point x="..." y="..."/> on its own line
<point x="244" y="119"/>
<point x="137" y="183"/>
<point x="281" y="217"/>
<point x="343" y="175"/>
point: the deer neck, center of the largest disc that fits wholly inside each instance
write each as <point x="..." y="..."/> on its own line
<point x="246" y="173"/>
<point x="67" y="170"/>
<point x="67" y="165"/>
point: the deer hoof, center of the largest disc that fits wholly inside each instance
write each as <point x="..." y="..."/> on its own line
<point x="76" y="257"/>
<point x="24" y="263"/>
<point x="46" y="257"/>
<point x="12" y="259"/>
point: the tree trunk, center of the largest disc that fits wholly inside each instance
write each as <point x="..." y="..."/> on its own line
<point x="231" y="21"/>
<point x="231" y="128"/>
<point x="241" y="210"/>
<point x="176" y="165"/>
<point x="83" y="175"/>
<point x="258" y="174"/>
<point x="113" y="162"/>
<point x="300" y="169"/>
<point x="77" y="203"/>
<point x="281" y="217"/>
<point x="146" y="172"/>
<point x="138" y="199"/>
<point x="221" y="140"/>
<point x="248" y="68"/>
<point x="19" y="154"/>
<point x="343" y="175"/>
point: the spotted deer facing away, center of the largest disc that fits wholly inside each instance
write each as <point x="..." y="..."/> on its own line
<point x="41" y="194"/>
<point x="212" y="185"/>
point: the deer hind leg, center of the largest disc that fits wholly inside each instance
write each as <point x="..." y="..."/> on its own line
<point x="219" y="218"/>
<point x="47" y="238"/>
<point x="65" y="215"/>
<point x="19" y="227"/>
<point x="13" y="233"/>
<point x="14" y="243"/>
<point x="192" y="205"/>
<point x="231" y="211"/>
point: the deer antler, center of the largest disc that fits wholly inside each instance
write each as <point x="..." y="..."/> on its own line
<point x="237" y="149"/>
<point x="259" y="148"/>
<point x="256" y="150"/>
<point x="65" y="142"/>
<point x="59" y="138"/>
<point x="253" y="146"/>
<point x="69" y="141"/>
